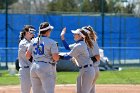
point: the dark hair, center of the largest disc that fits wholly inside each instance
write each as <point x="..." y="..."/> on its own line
<point x="87" y="39"/>
<point x="24" y="30"/>
<point x="92" y="34"/>
<point x="42" y="26"/>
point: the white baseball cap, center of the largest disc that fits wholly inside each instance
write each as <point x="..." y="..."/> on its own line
<point x="78" y="31"/>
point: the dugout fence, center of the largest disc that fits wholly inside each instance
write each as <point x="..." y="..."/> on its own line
<point x="122" y="58"/>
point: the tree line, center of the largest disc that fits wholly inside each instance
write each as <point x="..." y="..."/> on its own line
<point x="110" y="6"/>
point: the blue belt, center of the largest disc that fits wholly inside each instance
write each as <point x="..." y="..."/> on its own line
<point x="25" y="67"/>
<point x="85" y="66"/>
<point x="48" y="62"/>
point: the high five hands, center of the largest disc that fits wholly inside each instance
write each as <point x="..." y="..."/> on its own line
<point x="62" y="35"/>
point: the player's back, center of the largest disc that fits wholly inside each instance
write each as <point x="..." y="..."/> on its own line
<point x="43" y="49"/>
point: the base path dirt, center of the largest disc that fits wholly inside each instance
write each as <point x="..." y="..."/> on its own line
<point x="114" y="88"/>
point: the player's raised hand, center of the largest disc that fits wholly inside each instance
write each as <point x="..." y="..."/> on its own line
<point x="63" y="33"/>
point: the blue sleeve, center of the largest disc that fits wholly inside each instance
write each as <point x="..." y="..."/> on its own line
<point x="66" y="45"/>
<point x="67" y="57"/>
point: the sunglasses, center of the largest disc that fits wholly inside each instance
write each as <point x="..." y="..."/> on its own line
<point x="32" y="31"/>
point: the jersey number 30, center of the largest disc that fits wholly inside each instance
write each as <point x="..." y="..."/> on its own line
<point x="39" y="49"/>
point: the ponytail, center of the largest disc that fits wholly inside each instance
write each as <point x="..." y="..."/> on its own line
<point x="43" y="28"/>
<point x="87" y="39"/>
<point x="92" y="34"/>
<point x="22" y="35"/>
<point x="38" y="41"/>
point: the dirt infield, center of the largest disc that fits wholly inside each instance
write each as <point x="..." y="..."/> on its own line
<point x="72" y="89"/>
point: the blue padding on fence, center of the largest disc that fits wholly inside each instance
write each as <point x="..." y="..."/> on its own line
<point x="119" y="31"/>
<point x="2" y="30"/>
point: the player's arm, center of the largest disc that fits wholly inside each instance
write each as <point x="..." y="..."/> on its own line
<point x="66" y="45"/>
<point x="62" y="35"/>
<point x="73" y="53"/>
<point x="95" y="58"/>
<point x="28" y="55"/>
<point x="54" y="52"/>
<point x="55" y="56"/>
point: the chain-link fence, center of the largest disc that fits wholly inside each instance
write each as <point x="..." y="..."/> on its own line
<point x="118" y="32"/>
<point x="123" y="56"/>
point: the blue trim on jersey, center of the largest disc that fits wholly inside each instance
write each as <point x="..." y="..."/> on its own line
<point x="67" y="57"/>
<point x="43" y="36"/>
<point x="79" y="40"/>
<point x="66" y="45"/>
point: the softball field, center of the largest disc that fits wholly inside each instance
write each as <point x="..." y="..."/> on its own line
<point x="100" y="88"/>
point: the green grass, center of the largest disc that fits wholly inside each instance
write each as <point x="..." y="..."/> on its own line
<point x="126" y="76"/>
<point x="7" y="79"/>
<point x="66" y="77"/>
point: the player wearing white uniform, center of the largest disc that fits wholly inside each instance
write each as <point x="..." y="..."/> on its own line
<point x="45" y="55"/>
<point x="25" y="39"/>
<point x="94" y="53"/>
<point x="80" y="53"/>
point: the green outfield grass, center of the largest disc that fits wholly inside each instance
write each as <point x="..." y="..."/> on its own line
<point x="126" y="76"/>
<point x="6" y="79"/>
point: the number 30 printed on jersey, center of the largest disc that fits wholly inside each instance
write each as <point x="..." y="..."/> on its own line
<point x="39" y="49"/>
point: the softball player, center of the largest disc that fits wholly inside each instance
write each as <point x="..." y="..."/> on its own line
<point x="94" y="54"/>
<point x="25" y="39"/>
<point x="80" y="53"/>
<point x="45" y="55"/>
